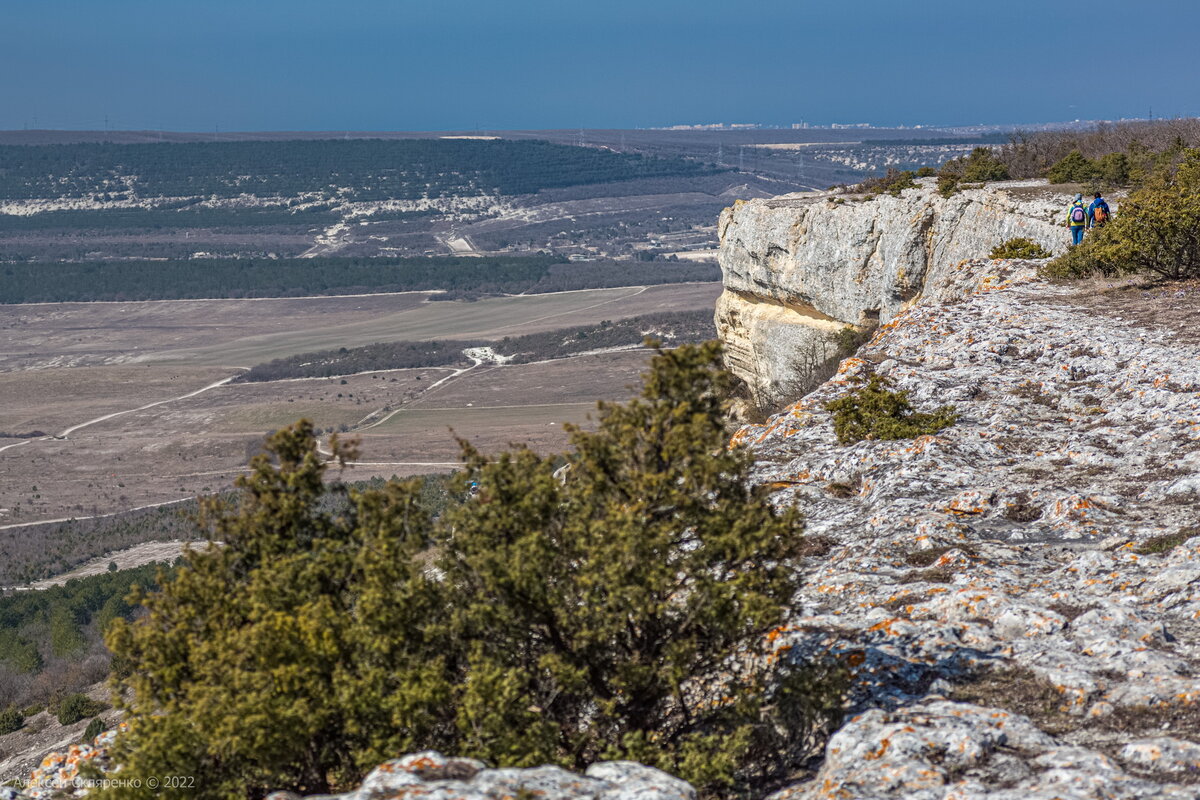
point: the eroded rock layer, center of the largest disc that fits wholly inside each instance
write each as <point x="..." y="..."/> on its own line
<point x="797" y="266"/>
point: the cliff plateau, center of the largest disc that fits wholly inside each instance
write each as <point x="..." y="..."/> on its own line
<point x="1021" y="591"/>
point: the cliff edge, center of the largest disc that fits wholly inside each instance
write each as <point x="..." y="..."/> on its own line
<point x="799" y="268"/>
<point x="1019" y="593"/>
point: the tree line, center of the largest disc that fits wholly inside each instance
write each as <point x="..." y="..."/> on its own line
<point x="51" y="640"/>
<point x="371" y="169"/>
<point x="669" y="327"/>
<point x="457" y="277"/>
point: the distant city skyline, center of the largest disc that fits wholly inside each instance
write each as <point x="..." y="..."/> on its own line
<point x="367" y="65"/>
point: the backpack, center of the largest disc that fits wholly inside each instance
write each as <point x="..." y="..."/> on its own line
<point x="1078" y="215"/>
<point x="1100" y="214"/>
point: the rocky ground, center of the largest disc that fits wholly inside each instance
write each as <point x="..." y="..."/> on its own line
<point x="1019" y="593"/>
<point x="1023" y="588"/>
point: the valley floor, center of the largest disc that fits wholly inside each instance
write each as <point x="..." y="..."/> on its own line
<point x="110" y="406"/>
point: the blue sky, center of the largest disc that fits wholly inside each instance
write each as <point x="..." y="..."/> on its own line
<point x="492" y="64"/>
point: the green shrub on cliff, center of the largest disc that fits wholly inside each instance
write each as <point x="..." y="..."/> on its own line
<point x="615" y="609"/>
<point x="94" y="729"/>
<point x="1156" y="232"/>
<point x="1019" y="247"/>
<point x="874" y="411"/>
<point x="980" y="166"/>
<point x="1111" y="169"/>
<point x="893" y="182"/>
<point x="1072" y="168"/>
<point x="77" y="706"/>
<point x="11" y="720"/>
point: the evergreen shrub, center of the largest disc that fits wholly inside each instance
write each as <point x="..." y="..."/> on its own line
<point x="1019" y="247"/>
<point x="94" y="729"/>
<point x="75" y="707"/>
<point x="980" y="166"/>
<point x="614" y="602"/>
<point x="1157" y="231"/>
<point x="874" y="411"/>
<point x="11" y="720"/>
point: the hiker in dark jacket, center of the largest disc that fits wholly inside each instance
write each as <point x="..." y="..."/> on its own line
<point x="1077" y="217"/>
<point x="1098" y="213"/>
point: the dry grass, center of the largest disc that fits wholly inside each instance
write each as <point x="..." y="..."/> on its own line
<point x="923" y="558"/>
<point x="65" y="364"/>
<point x="1167" y="305"/>
<point x="1166" y="543"/>
<point x="248" y="332"/>
<point x="1019" y="690"/>
<point x="932" y="575"/>
<point x="1069" y="611"/>
<point x="816" y="545"/>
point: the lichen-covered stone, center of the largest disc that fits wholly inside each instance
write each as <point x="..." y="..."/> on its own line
<point x="1007" y="545"/>
<point x="628" y="780"/>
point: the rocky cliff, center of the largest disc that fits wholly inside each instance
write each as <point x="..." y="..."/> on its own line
<point x="801" y="267"/>
<point x="1021" y="591"/>
<point x="1023" y="588"/>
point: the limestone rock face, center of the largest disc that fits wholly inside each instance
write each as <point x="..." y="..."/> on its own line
<point x="801" y="266"/>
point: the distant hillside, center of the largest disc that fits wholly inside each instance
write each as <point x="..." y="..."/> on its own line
<point x="370" y="169"/>
<point x="456" y="278"/>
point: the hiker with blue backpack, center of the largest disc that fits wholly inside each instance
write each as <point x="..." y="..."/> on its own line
<point x="1077" y="218"/>
<point x="1098" y="213"/>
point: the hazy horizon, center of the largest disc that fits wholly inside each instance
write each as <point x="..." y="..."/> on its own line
<point x="370" y="65"/>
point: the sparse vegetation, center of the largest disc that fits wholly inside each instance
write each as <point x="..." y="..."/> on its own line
<point x="1157" y="545"/>
<point x="1111" y="155"/>
<point x="931" y="575"/>
<point x="840" y="490"/>
<point x="1069" y="611"/>
<point x="1034" y="392"/>
<point x="874" y="411"/>
<point x="1020" y="690"/>
<point x="1115" y="154"/>
<point x="1022" y="508"/>
<point x="815" y="364"/>
<point x="893" y="182"/>
<point x="927" y="556"/>
<point x="40" y="551"/>
<point x="1175" y="718"/>
<point x="816" y="545"/>
<point x="1019" y="247"/>
<point x="569" y="619"/>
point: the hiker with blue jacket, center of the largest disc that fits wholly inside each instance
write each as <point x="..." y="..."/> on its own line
<point x="1098" y="213"/>
<point x="1077" y="217"/>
